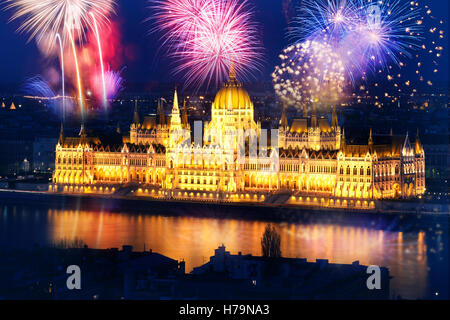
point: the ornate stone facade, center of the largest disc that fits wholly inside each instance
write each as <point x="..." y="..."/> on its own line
<point x="306" y="163"/>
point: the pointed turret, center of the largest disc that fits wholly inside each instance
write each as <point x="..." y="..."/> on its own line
<point x="283" y="120"/>
<point x="391" y="133"/>
<point x="314" y="117"/>
<point x="407" y="149"/>
<point x="175" y="117"/>
<point x="418" y="144"/>
<point x="118" y="128"/>
<point x="370" y="142"/>
<point x="334" y="118"/>
<point x="343" y="142"/>
<point x="184" y="116"/>
<point x="175" y="130"/>
<point x="61" y="134"/>
<point x="136" y="119"/>
<point x="161" y="113"/>
<point x="305" y="110"/>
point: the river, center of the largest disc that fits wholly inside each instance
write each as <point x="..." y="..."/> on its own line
<point x="415" y="257"/>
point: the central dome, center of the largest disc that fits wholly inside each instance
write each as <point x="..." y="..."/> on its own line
<point x="232" y="95"/>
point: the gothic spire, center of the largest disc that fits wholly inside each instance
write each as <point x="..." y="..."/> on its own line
<point x="184" y="116"/>
<point x="136" y="113"/>
<point x="418" y="144"/>
<point x="161" y="112"/>
<point x="334" y="118"/>
<point x="61" y="134"/>
<point x="343" y="142"/>
<point x="314" y="117"/>
<point x="283" y="120"/>
<point x="175" y="118"/>
<point x="305" y="110"/>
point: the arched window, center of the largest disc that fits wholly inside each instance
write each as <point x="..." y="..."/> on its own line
<point x="361" y="171"/>
<point x="355" y="171"/>
<point x="368" y="171"/>
<point x="348" y="170"/>
<point x="341" y="170"/>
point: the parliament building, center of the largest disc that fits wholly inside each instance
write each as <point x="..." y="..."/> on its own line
<point x="307" y="162"/>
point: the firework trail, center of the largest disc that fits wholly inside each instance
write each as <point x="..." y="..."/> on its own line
<point x="100" y="53"/>
<point x="58" y="38"/>
<point x="77" y="71"/>
<point x="206" y="37"/>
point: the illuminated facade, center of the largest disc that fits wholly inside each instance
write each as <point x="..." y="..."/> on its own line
<point x="306" y="163"/>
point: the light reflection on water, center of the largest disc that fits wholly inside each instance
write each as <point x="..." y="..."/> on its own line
<point x="194" y="239"/>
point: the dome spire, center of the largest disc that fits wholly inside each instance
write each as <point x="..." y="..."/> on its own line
<point x="232" y="76"/>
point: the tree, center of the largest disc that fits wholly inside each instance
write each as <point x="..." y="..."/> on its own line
<point x="271" y="243"/>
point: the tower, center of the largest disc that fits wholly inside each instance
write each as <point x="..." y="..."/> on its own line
<point x="176" y="130"/>
<point x="184" y="116"/>
<point x="136" y="119"/>
<point x="343" y="143"/>
<point x="370" y="142"/>
<point x="314" y="117"/>
<point x="334" y="119"/>
<point x="418" y="145"/>
<point x="283" y="120"/>
<point x="61" y="134"/>
<point x="161" y="113"/>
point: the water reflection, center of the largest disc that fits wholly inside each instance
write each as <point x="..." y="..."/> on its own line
<point x="194" y="239"/>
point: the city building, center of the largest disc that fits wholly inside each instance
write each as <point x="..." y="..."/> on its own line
<point x="248" y="277"/>
<point x="231" y="159"/>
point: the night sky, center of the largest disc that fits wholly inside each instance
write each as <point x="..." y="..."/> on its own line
<point x="20" y="60"/>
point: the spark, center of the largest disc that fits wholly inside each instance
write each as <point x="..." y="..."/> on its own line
<point x="206" y="37"/>
<point x="43" y="19"/>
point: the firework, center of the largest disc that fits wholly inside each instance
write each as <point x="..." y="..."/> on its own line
<point x="375" y="40"/>
<point x="58" y="38"/>
<point x="309" y="72"/>
<point x="113" y="84"/>
<point x="367" y="34"/>
<point x="44" y="19"/>
<point x="102" y="68"/>
<point x="414" y="72"/>
<point x="334" y="18"/>
<point x="38" y="87"/>
<point x="206" y="37"/>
